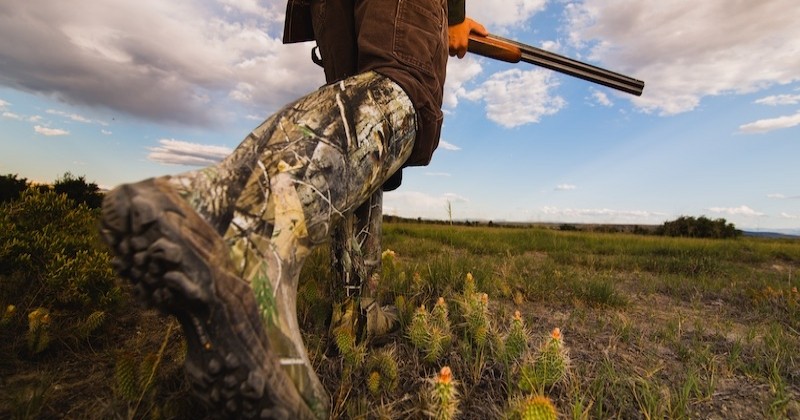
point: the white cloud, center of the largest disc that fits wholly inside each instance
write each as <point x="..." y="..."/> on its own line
<point x="106" y="132"/>
<point x="779" y="100"/>
<point x="3" y="104"/>
<point x="686" y="50"/>
<point x="455" y="198"/>
<point x="508" y="13"/>
<point x="601" y="98"/>
<point x="448" y="146"/>
<point x="783" y="197"/>
<point x="46" y="131"/>
<point x="108" y="58"/>
<point x="771" y="124"/>
<point x="418" y="204"/>
<point x="459" y="73"/>
<point x="565" y="187"/>
<point x="11" y="116"/>
<point x="71" y="116"/>
<point x="583" y="215"/>
<point x="507" y="107"/>
<point x="736" y="211"/>
<point x="177" y="152"/>
<point x="254" y="7"/>
<point x="789" y="216"/>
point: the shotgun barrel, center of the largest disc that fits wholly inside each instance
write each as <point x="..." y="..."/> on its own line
<point x="510" y="51"/>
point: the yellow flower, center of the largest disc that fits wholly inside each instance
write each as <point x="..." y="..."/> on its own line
<point x="388" y="253"/>
<point x="11" y="310"/>
<point x="34" y="315"/>
<point x="517" y="316"/>
<point x="445" y="375"/>
<point x="556" y="334"/>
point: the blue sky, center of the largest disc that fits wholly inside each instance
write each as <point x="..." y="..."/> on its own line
<point x="119" y="91"/>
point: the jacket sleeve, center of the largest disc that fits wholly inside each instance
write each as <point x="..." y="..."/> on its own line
<point x="456" y="11"/>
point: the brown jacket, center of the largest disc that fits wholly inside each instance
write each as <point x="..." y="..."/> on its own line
<point x="405" y="40"/>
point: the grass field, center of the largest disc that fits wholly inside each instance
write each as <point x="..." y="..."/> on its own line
<point x="649" y="327"/>
<point x="655" y="327"/>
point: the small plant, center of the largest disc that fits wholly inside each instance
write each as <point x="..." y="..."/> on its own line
<point x="430" y="332"/>
<point x="50" y="257"/>
<point x="515" y="344"/>
<point x="443" y="396"/>
<point x="133" y="376"/>
<point x="8" y="315"/>
<point x="352" y="353"/>
<point x="383" y="372"/>
<point x="548" y="367"/>
<point x="374" y="383"/>
<point x="38" y="330"/>
<point x="537" y="407"/>
<point x="476" y="314"/>
<point x="90" y="324"/>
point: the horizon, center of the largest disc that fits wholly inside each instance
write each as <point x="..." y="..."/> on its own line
<point x="716" y="132"/>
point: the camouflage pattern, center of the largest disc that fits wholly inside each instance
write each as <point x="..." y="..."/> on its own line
<point x="290" y="182"/>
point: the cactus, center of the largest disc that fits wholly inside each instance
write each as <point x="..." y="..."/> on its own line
<point x="89" y="325"/>
<point x="374" y="383"/>
<point x="8" y="315"/>
<point x="516" y="341"/>
<point x="443" y="396"/>
<point x="476" y="312"/>
<point x="127" y="378"/>
<point x="418" y="330"/>
<point x="38" y="330"/>
<point x="548" y="367"/>
<point x="430" y="333"/>
<point x="383" y="364"/>
<point x="352" y="353"/>
<point x="469" y="285"/>
<point x="537" y="407"/>
<point x="439" y="316"/>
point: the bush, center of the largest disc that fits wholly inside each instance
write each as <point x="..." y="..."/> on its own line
<point x="701" y="227"/>
<point x="11" y="187"/>
<point x="51" y="258"/>
<point x="79" y="191"/>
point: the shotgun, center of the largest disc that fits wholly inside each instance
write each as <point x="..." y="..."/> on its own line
<point x="503" y="49"/>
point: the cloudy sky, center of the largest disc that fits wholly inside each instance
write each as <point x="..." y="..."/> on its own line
<point x="118" y="91"/>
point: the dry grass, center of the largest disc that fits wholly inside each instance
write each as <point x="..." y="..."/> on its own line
<point x="654" y="328"/>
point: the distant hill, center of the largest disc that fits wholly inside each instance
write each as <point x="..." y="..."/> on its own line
<point x="765" y="234"/>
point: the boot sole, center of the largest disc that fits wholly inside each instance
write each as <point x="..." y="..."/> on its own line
<point x="177" y="263"/>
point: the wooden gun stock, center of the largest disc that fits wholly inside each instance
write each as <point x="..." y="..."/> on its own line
<point x="502" y="49"/>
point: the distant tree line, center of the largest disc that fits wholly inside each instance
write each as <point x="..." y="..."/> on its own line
<point x="684" y="226"/>
<point x="701" y="227"/>
<point x="76" y="188"/>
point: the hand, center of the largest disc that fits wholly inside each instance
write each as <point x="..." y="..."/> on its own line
<point x="458" y="36"/>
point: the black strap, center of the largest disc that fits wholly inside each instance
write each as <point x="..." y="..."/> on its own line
<point x="315" y="57"/>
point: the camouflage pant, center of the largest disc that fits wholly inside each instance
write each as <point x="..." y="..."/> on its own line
<point x="284" y="188"/>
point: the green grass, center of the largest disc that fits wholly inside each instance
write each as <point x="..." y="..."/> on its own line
<point x="662" y="327"/>
<point x="653" y="327"/>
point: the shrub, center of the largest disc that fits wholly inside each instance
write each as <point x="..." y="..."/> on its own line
<point x="701" y="227"/>
<point x="51" y="258"/>
<point x="78" y="190"/>
<point x="11" y="187"/>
